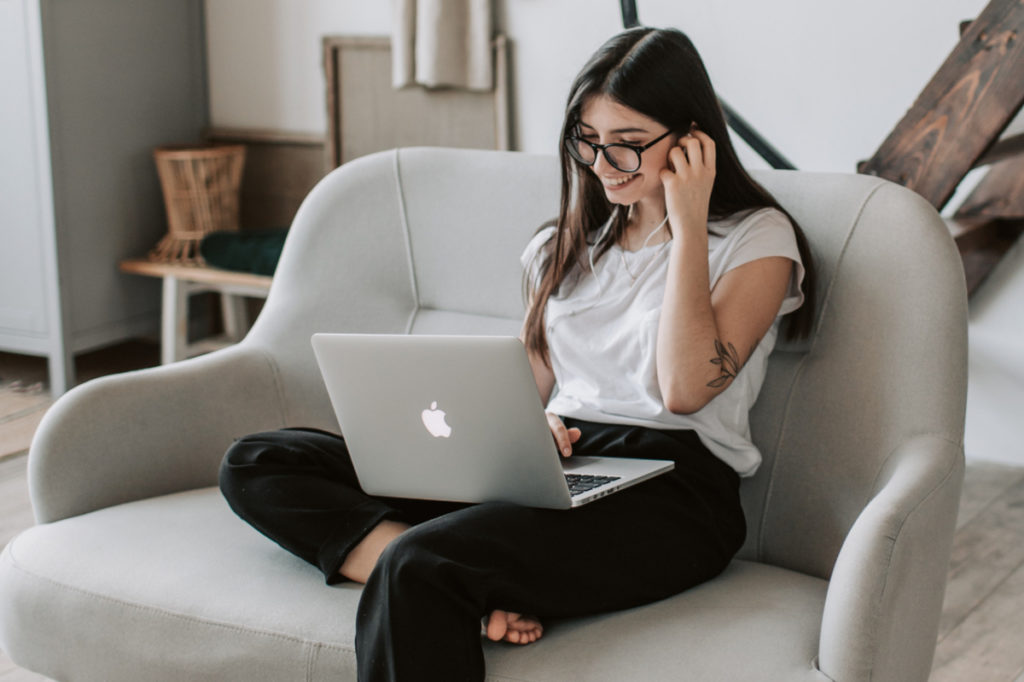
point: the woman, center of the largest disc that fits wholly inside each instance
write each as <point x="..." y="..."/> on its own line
<point x="665" y="275"/>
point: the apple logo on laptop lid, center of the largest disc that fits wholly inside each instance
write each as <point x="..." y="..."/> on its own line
<point x="433" y="419"/>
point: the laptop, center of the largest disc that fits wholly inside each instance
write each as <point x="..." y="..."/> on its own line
<point x="457" y="418"/>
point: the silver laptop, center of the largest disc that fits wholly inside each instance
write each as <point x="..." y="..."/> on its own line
<point x="457" y="418"/>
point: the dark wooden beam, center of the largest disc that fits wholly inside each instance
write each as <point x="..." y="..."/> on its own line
<point x="1003" y="149"/>
<point x="1000" y="194"/>
<point x="967" y="104"/>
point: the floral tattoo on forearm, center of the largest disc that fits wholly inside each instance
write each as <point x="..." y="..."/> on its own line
<point x="728" y="361"/>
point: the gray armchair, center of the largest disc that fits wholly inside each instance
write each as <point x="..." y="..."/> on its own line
<point x="138" y="569"/>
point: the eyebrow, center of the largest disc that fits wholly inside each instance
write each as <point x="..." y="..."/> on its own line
<point x="618" y="130"/>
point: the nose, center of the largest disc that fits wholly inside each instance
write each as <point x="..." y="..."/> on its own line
<point x="601" y="164"/>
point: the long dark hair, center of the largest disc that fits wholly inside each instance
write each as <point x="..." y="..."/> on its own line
<point x="658" y="73"/>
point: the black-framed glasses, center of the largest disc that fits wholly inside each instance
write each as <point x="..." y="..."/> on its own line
<point x="622" y="156"/>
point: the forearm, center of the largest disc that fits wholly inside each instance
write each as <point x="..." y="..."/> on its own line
<point x="688" y="333"/>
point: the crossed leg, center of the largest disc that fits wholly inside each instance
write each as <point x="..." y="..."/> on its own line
<point x="295" y="484"/>
<point x="499" y="626"/>
<point x="453" y="563"/>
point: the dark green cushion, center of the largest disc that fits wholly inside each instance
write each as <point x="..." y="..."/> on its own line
<point x="255" y="252"/>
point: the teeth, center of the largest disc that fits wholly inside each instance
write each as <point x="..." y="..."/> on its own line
<point x="620" y="181"/>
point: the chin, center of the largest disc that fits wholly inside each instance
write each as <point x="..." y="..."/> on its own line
<point x="622" y="198"/>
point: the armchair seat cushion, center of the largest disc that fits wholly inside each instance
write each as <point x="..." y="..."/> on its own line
<point x="181" y="583"/>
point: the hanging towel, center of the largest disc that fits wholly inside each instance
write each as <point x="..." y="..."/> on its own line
<point x="442" y="43"/>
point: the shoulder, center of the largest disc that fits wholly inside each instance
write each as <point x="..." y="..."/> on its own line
<point x="763" y="229"/>
<point x="737" y="225"/>
<point x="760" y="233"/>
<point x="748" y="236"/>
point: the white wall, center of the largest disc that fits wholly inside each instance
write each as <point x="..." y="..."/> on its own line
<point x="264" y="58"/>
<point x="995" y="387"/>
<point x="823" y="80"/>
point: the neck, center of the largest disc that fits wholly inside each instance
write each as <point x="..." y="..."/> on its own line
<point x="647" y="213"/>
<point x="643" y="228"/>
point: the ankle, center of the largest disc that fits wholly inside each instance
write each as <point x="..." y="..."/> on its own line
<point x="361" y="561"/>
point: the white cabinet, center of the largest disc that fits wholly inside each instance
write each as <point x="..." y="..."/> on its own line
<point x="87" y="89"/>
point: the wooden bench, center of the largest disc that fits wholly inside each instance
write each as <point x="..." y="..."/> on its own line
<point x="182" y="281"/>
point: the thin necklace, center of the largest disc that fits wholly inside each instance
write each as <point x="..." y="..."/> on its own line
<point x="622" y="252"/>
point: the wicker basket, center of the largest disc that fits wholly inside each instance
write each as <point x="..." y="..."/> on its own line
<point x="201" y="194"/>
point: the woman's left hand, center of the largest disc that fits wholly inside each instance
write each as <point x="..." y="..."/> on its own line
<point x="688" y="180"/>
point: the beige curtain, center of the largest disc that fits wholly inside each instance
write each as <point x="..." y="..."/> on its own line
<point x="442" y="43"/>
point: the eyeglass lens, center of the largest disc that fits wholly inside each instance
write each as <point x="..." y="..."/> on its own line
<point x="622" y="157"/>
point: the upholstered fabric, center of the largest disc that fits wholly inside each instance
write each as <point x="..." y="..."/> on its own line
<point x="248" y="610"/>
<point x="138" y="564"/>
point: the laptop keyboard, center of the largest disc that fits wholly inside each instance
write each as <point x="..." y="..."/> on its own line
<point x="579" y="484"/>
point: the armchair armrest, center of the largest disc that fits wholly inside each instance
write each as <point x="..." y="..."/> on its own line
<point x="885" y="595"/>
<point x="156" y="431"/>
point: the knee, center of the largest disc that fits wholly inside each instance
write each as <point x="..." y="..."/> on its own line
<point x="251" y="450"/>
<point x="419" y="563"/>
<point x="261" y="452"/>
<point x="242" y="463"/>
<point x="406" y="559"/>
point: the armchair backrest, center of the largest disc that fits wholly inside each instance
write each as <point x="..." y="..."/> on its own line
<point x="886" y="362"/>
<point x="428" y="241"/>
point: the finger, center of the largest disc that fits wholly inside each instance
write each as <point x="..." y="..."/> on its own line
<point x="693" y="150"/>
<point x="708" y="148"/>
<point x="574" y="434"/>
<point x="677" y="156"/>
<point x="560" y="434"/>
<point x="564" y="445"/>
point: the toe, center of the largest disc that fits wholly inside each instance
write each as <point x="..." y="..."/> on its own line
<point x="497" y="625"/>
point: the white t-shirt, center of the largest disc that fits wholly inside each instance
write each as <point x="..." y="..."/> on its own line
<point x="602" y="335"/>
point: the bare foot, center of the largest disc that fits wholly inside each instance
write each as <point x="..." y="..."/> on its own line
<point x="513" y="627"/>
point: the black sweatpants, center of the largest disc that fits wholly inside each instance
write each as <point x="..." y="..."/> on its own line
<point x="460" y="562"/>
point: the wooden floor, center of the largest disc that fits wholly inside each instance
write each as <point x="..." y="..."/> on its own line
<point x="981" y="636"/>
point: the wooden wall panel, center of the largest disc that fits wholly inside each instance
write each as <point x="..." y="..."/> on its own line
<point x="280" y="170"/>
<point x="365" y="114"/>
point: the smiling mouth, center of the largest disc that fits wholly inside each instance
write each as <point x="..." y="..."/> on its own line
<point x="618" y="183"/>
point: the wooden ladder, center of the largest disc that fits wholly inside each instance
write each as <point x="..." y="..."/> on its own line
<point x="956" y="125"/>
